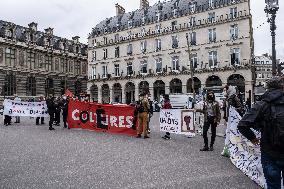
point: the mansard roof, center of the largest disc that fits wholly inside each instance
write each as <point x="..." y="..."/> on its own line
<point x="20" y="35"/>
<point x="149" y="14"/>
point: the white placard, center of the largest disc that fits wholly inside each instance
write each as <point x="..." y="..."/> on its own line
<point x="25" y="109"/>
<point x="170" y="121"/>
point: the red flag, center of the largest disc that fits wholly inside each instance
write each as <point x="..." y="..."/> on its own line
<point x="68" y="93"/>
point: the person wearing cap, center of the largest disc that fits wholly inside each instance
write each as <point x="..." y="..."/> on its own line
<point x="143" y="110"/>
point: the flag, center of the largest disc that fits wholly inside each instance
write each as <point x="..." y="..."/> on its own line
<point x="68" y="93"/>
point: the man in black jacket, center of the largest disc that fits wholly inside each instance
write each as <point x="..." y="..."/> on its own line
<point x="64" y="106"/>
<point x="51" y="111"/>
<point x="263" y="117"/>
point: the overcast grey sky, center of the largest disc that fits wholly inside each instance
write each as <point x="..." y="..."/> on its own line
<point x="78" y="17"/>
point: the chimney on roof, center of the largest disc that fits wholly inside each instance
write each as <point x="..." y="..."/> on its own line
<point x="33" y="26"/>
<point x="49" y="31"/>
<point x="144" y="4"/>
<point x="76" y="39"/>
<point x="119" y="9"/>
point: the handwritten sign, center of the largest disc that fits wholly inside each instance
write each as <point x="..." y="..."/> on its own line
<point x="170" y="120"/>
<point x="244" y="155"/>
<point x="29" y="109"/>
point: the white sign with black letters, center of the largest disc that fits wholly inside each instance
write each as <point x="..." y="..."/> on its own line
<point x="170" y="121"/>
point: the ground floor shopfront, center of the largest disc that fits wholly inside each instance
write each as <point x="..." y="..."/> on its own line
<point x="27" y="84"/>
<point x="127" y="90"/>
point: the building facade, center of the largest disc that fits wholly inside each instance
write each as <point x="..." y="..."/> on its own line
<point x="263" y="69"/>
<point x="156" y="49"/>
<point x="34" y="63"/>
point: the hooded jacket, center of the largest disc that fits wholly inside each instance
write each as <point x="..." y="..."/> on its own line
<point x="258" y="119"/>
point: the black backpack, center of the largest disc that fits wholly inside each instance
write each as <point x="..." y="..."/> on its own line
<point x="277" y="124"/>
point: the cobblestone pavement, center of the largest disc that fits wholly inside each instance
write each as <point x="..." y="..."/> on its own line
<point x="34" y="157"/>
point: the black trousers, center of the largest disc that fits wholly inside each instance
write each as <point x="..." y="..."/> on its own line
<point x="57" y="117"/>
<point x="51" y="119"/>
<point x="7" y="120"/>
<point x="41" y="120"/>
<point x="65" y="114"/>
<point x="210" y="123"/>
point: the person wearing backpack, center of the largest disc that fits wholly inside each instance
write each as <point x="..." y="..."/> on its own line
<point x="267" y="116"/>
<point x="143" y="110"/>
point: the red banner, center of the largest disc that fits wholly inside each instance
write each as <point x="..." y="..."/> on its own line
<point x="102" y="118"/>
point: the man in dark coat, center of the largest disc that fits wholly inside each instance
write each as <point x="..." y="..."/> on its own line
<point x="51" y="111"/>
<point x="64" y="106"/>
<point x="267" y="116"/>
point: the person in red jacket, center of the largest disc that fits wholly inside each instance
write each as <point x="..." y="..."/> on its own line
<point x="167" y="105"/>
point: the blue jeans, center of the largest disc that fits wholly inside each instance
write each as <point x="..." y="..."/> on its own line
<point x="272" y="171"/>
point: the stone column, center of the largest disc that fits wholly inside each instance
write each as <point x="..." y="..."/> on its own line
<point x="111" y="95"/>
<point x="99" y="93"/>
<point x="123" y="95"/>
<point x="184" y="89"/>
<point x="136" y="94"/>
<point x="151" y="90"/>
<point x="167" y="89"/>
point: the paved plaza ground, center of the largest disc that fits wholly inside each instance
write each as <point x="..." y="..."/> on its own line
<point x="33" y="157"/>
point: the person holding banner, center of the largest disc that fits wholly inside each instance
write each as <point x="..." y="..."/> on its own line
<point x="143" y="110"/>
<point x="212" y="117"/>
<point x="167" y="105"/>
<point x="17" y="99"/>
<point x="51" y="111"/>
<point x="41" y="99"/>
<point x="64" y="106"/>
<point x="267" y="116"/>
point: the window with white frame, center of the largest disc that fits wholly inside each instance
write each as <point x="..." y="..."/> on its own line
<point x="105" y="73"/>
<point x="174" y="25"/>
<point x="143" y="67"/>
<point x="116" y="52"/>
<point x="158" y="16"/>
<point x="193" y="38"/>
<point x="234" y="32"/>
<point x="105" y="40"/>
<point x="213" y="59"/>
<point x="175" y="63"/>
<point x="212" y="35"/>
<point x="159" y="65"/>
<point x="211" y="16"/>
<point x="235" y="56"/>
<point x="129" y="69"/>
<point x="116" y="37"/>
<point x="9" y="33"/>
<point x="194" y="61"/>
<point x="174" y="41"/>
<point x="129" y="23"/>
<point x="192" y="6"/>
<point x="143" y="46"/>
<point x="233" y="12"/>
<point x="129" y="49"/>
<point x="143" y="32"/>
<point x="158" y="45"/>
<point x="158" y="28"/>
<point x="94" y="55"/>
<point x="105" y="53"/>
<point x="211" y="3"/>
<point x="192" y="21"/>
<point x="116" y="70"/>
<point x="93" y="74"/>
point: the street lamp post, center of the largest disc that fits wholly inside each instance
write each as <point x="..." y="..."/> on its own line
<point x="191" y="67"/>
<point x="271" y="8"/>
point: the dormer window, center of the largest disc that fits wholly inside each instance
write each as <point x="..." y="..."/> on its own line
<point x="77" y="49"/>
<point x="210" y="3"/>
<point x="158" y="17"/>
<point x="130" y="24"/>
<point x="192" y="6"/>
<point x="31" y="37"/>
<point x="9" y="33"/>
